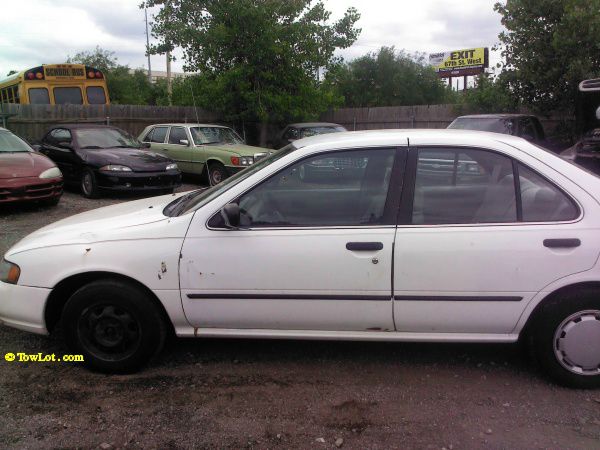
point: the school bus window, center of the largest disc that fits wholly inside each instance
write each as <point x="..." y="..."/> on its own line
<point x="67" y="95"/>
<point x="16" y="94"/>
<point x="95" y="95"/>
<point x="39" y="96"/>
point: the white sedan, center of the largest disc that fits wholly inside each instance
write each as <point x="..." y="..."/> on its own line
<point x="421" y="235"/>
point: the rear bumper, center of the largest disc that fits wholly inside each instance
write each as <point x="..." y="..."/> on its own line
<point x="30" y="189"/>
<point x="138" y="181"/>
<point x="23" y="307"/>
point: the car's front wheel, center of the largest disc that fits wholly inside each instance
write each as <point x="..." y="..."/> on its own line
<point x="89" y="187"/>
<point x="216" y="173"/>
<point x="114" y="325"/>
<point x="566" y="338"/>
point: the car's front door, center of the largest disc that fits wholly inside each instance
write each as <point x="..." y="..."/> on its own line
<point x="58" y="146"/>
<point x="313" y="252"/>
<point x="178" y="148"/>
<point x="475" y="242"/>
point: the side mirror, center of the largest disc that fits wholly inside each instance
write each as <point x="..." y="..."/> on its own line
<point x="145" y="145"/>
<point x="65" y="144"/>
<point x="231" y="215"/>
<point x="184" y="142"/>
<point x="598" y="113"/>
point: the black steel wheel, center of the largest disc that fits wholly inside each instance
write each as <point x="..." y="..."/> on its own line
<point x="114" y="324"/>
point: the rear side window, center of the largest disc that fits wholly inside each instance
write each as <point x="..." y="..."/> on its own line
<point x="67" y="95"/>
<point x="159" y="135"/>
<point x="39" y="96"/>
<point x="176" y="135"/>
<point x="542" y="201"/>
<point x="148" y="137"/>
<point x="463" y="186"/>
<point x="96" y="95"/>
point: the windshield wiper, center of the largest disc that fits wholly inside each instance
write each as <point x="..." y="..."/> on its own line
<point x="125" y="146"/>
<point x="94" y="147"/>
<point x="174" y="208"/>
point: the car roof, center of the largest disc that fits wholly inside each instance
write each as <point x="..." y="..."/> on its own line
<point x="187" y="125"/>
<point x="495" y="116"/>
<point x="313" y="124"/>
<point x="395" y="137"/>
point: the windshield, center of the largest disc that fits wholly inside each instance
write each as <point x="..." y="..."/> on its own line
<point x="215" y="135"/>
<point x="197" y="199"/>
<point x="313" y="131"/>
<point x="9" y="143"/>
<point x="492" y="124"/>
<point x="102" y="138"/>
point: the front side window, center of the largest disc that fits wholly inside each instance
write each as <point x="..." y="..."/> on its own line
<point x="159" y="135"/>
<point x="95" y="95"/>
<point x="463" y="186"/>
<point x="67" y="95"/>
<point x="177" y="135"/>
<point x="346" y="188"/>
<point x="57" y="136"/>
<point x="39" y="96"/>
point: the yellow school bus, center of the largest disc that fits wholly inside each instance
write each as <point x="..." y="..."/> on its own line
<point x="56" y="84"/>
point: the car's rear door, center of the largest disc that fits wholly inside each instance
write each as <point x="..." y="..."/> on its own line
<point x="479" y="235"/>
<point x="313" y="253"/>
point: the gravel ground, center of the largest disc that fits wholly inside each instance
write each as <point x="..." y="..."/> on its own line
<point x="283" y="394"/>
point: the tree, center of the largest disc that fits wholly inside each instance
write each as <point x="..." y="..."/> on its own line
<point x="549" y="46"/>
<point x="388" y="78"/>
<point x="259" y="59"/>
<point x="99" y="58"/>
<point x="490" y="95"/>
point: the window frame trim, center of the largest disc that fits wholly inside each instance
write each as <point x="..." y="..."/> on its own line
<point x="169" y="136"/>
<point x="406" y="206"/>
<point x="391" y="206"/>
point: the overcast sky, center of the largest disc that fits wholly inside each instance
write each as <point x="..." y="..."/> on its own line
<point x="47" y="31"/>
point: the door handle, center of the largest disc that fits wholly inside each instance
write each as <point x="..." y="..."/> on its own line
<point x="562" y="243"/>
<point x="364" y="246"/>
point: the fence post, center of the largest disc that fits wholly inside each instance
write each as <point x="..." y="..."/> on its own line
<point x="107" y="120"/>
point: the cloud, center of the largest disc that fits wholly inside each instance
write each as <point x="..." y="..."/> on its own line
<point x="47" y="31"/>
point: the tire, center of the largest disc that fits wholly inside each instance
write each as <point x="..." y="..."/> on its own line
<point x="565" y="338"/>
<point x="216" y="173"/>
<point x="114" y="325"/>
<point x="89" y="187"/>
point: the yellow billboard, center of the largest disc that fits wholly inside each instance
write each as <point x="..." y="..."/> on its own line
<point x="470" y="61"/>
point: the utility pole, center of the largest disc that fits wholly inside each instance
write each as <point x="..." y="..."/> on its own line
<point x="148" y="46"/>
<point x="169" y="84"/>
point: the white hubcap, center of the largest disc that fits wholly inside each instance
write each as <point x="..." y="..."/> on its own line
<point x="577" y="343"/>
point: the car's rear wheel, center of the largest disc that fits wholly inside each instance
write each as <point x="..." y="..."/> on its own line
<point x="216" y="173"/>
<point x="114" y="324"/>
<point x="89" y="187"/>
<point x="566" y="338"/>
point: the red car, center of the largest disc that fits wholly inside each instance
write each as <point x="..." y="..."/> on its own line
<point x="26" y="175"/>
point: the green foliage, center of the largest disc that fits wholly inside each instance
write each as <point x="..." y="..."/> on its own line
<point x="488" y="96"/>
<point x="388" y="78"/>
<point x="124" y="86"/>
<point x="12" y="72"/>
<point x="549" y="46"/>
<point x="258" y="59"/>
<point x="98" y="58"/>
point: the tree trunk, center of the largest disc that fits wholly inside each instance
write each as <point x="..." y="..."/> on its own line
<point x="264" y="128"/>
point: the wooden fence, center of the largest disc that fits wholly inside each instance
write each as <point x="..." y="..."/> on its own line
<point x="421" y="116"/>
<point x="31" y="121"/>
